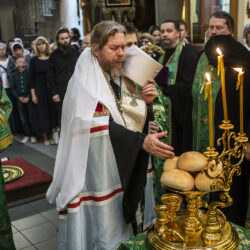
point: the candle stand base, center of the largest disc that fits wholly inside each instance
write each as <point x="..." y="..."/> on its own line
<point x="230" y="241"/>
<point x="191" y="228"/>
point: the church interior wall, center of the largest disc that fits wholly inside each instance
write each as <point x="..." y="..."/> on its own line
<point x="51" y="24"/>
<point x="168" y="9"/>
<point x="7" y="30"/>
<point x="164" y="9"/>
<point x="243" y="18"/>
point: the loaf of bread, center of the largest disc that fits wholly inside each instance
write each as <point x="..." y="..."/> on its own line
<point x="191" y="161"/>
<point x="178" y="179"/>
<point x="170" y="163"/>
<point x="203" y="183"/>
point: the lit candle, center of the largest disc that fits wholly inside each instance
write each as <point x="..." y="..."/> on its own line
<point x="240" y="86"/>
<point x="210" y="110"/>
<point x="221" y="71"/>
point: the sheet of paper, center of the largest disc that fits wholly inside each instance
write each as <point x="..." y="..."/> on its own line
<point x="139" y="66"/>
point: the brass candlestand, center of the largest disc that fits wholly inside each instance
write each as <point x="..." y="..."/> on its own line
<point x="202" y="225"/>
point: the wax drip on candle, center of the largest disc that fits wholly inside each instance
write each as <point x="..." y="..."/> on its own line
<point x="208" y="80"/>
<point x="221" y="71"/>
<point x="238" y="82"/>
<point x="208" y="95"/>
<point x="239" y="87"/>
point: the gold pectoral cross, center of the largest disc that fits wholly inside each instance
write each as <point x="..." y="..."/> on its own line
<point x="133" y="103"/>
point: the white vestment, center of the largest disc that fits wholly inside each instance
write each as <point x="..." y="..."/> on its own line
<point x="86" y="186"/>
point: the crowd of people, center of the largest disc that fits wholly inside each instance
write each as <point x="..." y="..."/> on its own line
<point x="108" y="120"/>
<point x="35" y="81"/>
<point x="36" y="84"/>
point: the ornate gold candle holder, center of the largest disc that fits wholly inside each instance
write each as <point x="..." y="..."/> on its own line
<point x="202" y="225"/>
<point x="151" y="48"/>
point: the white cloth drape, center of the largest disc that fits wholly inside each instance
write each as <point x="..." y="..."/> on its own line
<point x="86" y="88"/>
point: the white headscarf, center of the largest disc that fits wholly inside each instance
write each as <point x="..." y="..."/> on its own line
<point x="3" y="45"/>
<point x="86" y="88"/>
<point x="13" y="44"/>
<point x="18" y="40"/>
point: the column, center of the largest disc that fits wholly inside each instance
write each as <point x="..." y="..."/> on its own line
<point x="70" y="16"/>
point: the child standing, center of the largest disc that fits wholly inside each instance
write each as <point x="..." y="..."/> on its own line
<point x="21" y="91"/>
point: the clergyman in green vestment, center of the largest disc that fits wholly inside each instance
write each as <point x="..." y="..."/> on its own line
<point x="6" y="237"/>
<point x="169" y="106"/>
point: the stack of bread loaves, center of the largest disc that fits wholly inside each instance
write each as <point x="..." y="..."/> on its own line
<point x="179" y="172"/>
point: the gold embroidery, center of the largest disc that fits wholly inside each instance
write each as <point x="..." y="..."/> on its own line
<point x="104" y="112"/>
<point x="131" y="106"/>
<point x="3" y="118"/>
<point x="5" y="142"/>
<point x="202" y="87"/>
<point x="206" y="120"/>
<point x="134" y="115"/>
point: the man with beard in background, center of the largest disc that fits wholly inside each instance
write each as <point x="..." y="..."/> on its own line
<point x="61" y="67"/>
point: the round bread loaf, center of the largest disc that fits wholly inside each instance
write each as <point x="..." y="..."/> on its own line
<point x="178" y="179"/>
<point x="191" y="161"/>
<point x="203" y="183"/>
<point x="170" y="163"/>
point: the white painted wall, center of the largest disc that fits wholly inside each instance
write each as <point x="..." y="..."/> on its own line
<point x="68" y="15"/>
<point x="6" y="19"/>
<point x="242" y="18"/>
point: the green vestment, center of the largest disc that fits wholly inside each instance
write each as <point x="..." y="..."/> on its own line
<point x="6" y="237"/>
<point x="200" y="105"/>
<point x="162" y="116"/>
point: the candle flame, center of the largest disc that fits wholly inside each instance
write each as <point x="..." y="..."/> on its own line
<point x="208" y="77"/>
<point x="238" y="69"/>
<point x="219" y="51"/>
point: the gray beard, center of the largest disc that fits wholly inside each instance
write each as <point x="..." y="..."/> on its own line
<point x="116" y="73"/>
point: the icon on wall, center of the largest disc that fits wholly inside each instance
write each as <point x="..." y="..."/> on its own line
<point x="118" y="3"/>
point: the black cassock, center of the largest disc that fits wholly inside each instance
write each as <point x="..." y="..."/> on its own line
<point x="178" y="93"/>
<point x="132" y="161"/>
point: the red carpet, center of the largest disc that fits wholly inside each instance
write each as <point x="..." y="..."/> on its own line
<point x="31" y="186"/>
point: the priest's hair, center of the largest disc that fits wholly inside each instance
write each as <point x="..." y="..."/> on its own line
<point x="103" y="30"/>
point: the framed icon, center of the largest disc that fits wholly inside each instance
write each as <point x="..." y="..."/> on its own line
<point x="118" y="3"/>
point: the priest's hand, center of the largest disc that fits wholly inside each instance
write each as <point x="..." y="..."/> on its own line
<point x="247" y="153"/>
<point x="155" y="147"/>
<point x="149" y="92"/>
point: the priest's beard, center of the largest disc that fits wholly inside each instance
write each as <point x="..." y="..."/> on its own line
<point x="115" y="73"/>
<point x="66" y="48"/>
